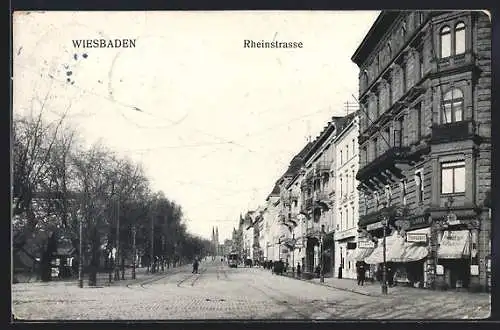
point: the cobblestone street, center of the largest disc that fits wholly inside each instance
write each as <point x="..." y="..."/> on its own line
<point x="219" y="292"/>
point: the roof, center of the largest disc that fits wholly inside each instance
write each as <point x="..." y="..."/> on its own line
<point x="378" y="29"/>
<point x="330" y="127"/>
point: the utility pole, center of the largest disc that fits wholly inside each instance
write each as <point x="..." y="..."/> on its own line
<point x="117" y="256"/>
<point x="134" y="251"/>
<point x="80" y="262"/>
<point x="152" y="242"/>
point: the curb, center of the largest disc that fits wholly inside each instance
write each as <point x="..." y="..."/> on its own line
<point x="332" y="286"/>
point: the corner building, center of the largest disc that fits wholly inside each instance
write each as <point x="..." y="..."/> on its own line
<point x="425" y="146"/>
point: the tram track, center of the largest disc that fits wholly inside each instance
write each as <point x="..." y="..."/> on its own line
<point x="193" y="277"/>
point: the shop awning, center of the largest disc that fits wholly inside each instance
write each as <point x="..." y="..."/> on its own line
<point x="360" y="254"/>
<point x="454" y="245"/>
<point x="394" y="248"/>
<point x="411" y="252"/>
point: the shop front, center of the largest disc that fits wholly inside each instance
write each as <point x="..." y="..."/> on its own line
<point x="345" y="264"/>
<point x="364" y="248"/>
<point x="454" y="259"/>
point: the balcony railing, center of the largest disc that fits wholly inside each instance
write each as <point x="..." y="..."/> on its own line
<point x="385" y="161"/>
<point x="450" y="132"/>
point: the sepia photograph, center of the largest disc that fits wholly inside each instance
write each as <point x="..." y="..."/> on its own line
<point x="251" y="165"/>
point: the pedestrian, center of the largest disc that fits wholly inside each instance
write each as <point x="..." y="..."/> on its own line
<point x="318" y="270"/>
<point x="361" y="273"/>
<point x="195" y="266"/>
<point x="298" y="270"/>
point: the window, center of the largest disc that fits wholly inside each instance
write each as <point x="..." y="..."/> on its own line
<point x="353" y="146"/>
<point x="445" y="39"/>
<point x="353" y="181"/>
<point x="389" y="50"/>
<point x="341" y="186"/>
<point x="387" y="134"/>
<point x="365" y="154"/>
<point x="353" y="219"/>
<point x="346" y="218"/>
<point x="453" y="104"/>
<point x="459" y="38"/>
<point x="403" y="30"/>
<point x="377" y="199"/>
<point x="453" y="177"/>
<point x="341" y="221"/>
<point x="421" y="63"/>
<point x="419" y="186"/>
<point x="347" y="152"/>
<point x="399" y="133"/>
<point x="346" y="190"/>
<point x="341" y="161"/>
<point x="388" y="194"/>
<point x="375" y="147"/>
<point x="403" y="191"/>
<point x="418" y="113"/>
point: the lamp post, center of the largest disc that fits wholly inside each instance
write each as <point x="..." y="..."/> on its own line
<point x="117" y="258"/>
<point x="384" y="267"/>
<point x="134" y="251"/>
<point x="80" y="262"/>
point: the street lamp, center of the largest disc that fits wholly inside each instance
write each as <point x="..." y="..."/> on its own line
<point x="80" y="262"/>
<point x="384" y="267"/>
<point x="134" y="251"/>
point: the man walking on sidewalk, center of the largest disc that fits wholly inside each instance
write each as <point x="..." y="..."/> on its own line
<point x="361" y="273"/>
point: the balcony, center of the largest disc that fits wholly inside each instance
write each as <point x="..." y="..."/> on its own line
<point x="322" y="167"/>
<point x="451" y="132"/>
<point x="386" y="161"/>
<point x="394" y="213"/>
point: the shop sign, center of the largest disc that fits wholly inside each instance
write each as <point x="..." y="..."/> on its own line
<point x="418" y="221"/>
<point x="474" y="270"/>
<point x="374" y="226"/>
<point x="345" y="234"/>
<point x="416" y="237"/>
<point x="439" y="270"/>
<point x="366" y="245"/>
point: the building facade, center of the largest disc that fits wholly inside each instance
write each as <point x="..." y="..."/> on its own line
<point x="346" y="197"/>
<point x="318" y="200"/>
<point x="425" y="145"/>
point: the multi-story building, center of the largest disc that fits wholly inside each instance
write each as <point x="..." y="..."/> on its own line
<point x="318" y="199"/>
<point x="425" y="144"/>
<point x="289" y="216"/>
<point x="270" y="225"/>
<point x="346" y="196"/>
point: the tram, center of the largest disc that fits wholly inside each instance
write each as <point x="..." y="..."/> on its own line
<point x="233" y="259"/>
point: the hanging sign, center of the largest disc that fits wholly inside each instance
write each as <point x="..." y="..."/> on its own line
<point x="416" y="237"/>
<point x="474" y="270"/>
<point x="439" y="270"/>
<point x="366" y="245"/>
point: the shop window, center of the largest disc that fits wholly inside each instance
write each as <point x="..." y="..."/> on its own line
<point x="459" y="38"/>
<point x="445" y="40"/>
<point x="453" y="106"/>
<point x="453" y="177"/>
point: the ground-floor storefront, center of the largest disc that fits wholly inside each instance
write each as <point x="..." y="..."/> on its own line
<point x="345" y="264"/>
<point x="445" y="252"/>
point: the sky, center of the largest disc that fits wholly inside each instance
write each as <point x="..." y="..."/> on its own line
<point x="213" y="123"/>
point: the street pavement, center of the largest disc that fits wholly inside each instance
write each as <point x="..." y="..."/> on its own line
<point x="220" y="292"/>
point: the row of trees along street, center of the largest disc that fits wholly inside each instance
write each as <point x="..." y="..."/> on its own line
<point x="57" y="183"/>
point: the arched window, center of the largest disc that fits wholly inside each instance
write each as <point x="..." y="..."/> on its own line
<point x="459" y="38"/>
<point x="453" y="106"/>
<point x="389" y="50"/>
<point x="364" y="79"/>
<point x="445" y="39"/>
